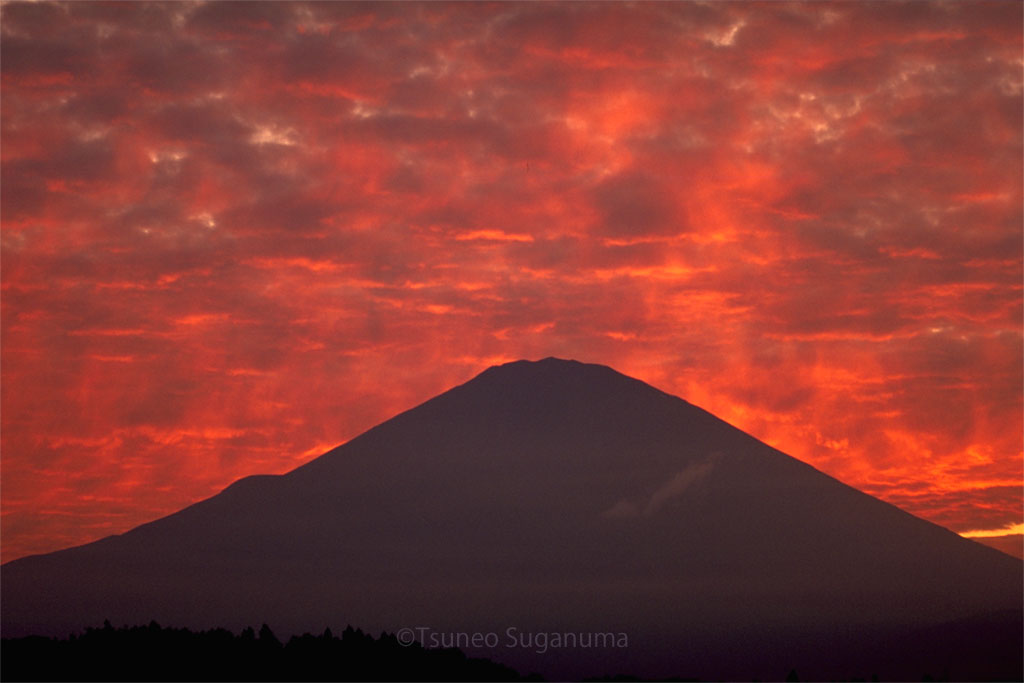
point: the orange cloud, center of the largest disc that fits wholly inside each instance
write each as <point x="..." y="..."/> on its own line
<point x="234" y="233"/>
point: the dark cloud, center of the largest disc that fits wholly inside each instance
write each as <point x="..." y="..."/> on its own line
<point x="241" y="20"/>
<point x="635" y="204"/>
<point x="28" y="58"/>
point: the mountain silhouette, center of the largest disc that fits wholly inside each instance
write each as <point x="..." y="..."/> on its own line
<point x="557" y="497"/>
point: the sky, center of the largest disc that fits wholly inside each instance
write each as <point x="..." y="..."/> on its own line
<point x="236" y="235"/>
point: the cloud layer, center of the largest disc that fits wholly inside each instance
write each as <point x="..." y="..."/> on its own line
<point x="237" y="234"/>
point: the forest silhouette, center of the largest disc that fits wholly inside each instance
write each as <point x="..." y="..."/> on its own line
<point x="154" y="653"/>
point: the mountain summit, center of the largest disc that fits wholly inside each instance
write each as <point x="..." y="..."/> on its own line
<point x="557" y="497"/>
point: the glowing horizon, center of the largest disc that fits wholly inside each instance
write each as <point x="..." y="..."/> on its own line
<point x="236" y="235"/>
<point x="1009" y="530"/>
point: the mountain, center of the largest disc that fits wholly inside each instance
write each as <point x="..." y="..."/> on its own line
<point x="552" y="498"/>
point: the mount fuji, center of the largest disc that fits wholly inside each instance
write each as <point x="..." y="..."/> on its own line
<point x="558" y="498"/>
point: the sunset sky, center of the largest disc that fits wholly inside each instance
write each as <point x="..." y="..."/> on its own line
<point x="236" y="235"/>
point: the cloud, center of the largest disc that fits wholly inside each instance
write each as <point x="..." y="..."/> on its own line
<point x="289" y="221"/>
<point x="664" y="494"/>
<point x="1012" y="529"/>
<point x="635" y="204"/>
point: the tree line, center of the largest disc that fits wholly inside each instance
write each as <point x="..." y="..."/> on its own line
<point x="154" y="653"/>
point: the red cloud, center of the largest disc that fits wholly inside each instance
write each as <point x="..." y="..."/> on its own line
<point x="237" y="233"/>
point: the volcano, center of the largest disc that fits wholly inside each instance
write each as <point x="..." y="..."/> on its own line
<point x="549" y="499"/>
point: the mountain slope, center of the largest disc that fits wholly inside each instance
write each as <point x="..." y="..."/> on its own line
<point x="552" y="496"/>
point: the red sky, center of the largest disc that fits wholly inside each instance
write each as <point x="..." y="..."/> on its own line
<point x="235" y="235"/>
